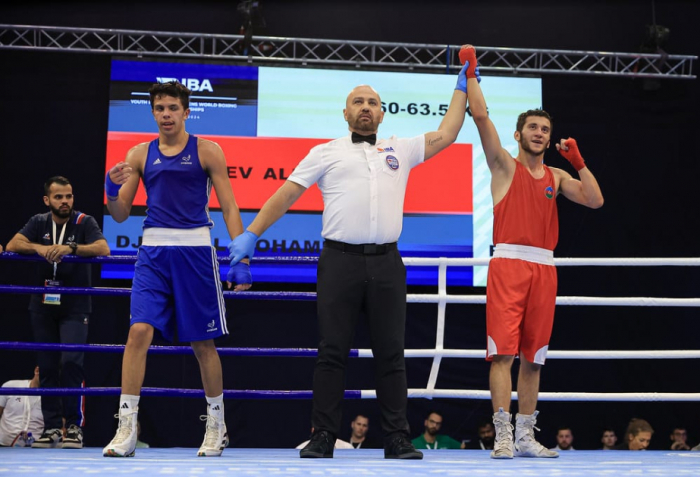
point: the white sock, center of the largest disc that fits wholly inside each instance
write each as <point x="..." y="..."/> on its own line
<point x="128" y="403"/>
<point x="216" y="406"/>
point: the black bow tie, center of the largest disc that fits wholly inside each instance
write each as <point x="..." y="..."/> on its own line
<point x="372" y="138"/>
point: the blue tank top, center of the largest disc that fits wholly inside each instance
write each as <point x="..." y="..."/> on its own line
<point x="177" y="187"/>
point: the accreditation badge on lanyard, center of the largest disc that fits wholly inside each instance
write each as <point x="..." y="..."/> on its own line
<point x="54" y="298"/>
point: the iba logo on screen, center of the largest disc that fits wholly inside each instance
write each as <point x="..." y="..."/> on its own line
<point x="191" y="83"/>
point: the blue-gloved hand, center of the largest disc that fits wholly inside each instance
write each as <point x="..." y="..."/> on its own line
<point x="242" y="246"/>
<point x="239" y="274"/>
<point x="462" y="79"/>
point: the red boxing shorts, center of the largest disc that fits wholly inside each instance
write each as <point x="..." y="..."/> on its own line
<point x="520" y="300"/>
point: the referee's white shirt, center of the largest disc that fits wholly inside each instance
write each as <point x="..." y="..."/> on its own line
<point x="363" y="186"/>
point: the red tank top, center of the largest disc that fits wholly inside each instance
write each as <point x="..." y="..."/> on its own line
<point x="527" y="215"/>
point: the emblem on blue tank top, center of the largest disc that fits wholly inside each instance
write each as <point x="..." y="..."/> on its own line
<point x="186" y="159"/>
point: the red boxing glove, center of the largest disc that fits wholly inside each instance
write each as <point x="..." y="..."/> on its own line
<point x="468" y="53"/>
<point x="572" y="155"/>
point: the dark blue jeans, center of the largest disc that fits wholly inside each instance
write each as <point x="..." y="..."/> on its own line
<point x="61" y="369"/>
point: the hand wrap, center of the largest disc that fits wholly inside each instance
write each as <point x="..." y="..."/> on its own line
<point x="111" y="188"/>
<point x="572" y="155"/>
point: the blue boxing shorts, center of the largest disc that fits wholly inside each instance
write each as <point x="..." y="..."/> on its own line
<point x="179" y="287"/>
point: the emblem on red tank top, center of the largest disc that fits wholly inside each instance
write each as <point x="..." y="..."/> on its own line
<point x="549" y="192"/>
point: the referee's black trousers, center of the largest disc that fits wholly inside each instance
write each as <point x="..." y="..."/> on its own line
<point x="349" y="284"/>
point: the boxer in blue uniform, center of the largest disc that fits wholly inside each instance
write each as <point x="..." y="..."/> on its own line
<point x="176" y="280"/>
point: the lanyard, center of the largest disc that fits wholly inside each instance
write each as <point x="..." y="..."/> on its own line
<point x="60" y="241"/>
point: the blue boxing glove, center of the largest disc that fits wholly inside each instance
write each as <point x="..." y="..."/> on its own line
<point x="239" y="274"/>
<point x="242" y="246"/>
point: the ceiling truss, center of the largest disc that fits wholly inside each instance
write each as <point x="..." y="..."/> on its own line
<point x="260" y="50"/>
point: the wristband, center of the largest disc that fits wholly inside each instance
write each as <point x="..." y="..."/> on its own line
<point x="111" y="188"/>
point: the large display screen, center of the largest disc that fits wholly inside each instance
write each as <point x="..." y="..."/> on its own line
<point x="266" y="119"/>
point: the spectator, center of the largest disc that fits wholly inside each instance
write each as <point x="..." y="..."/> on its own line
<point x="360" y="428"/>
<point x="637" y="436"/>
<point x="487" y="435"/>
<point x="430" y="439"/>
<point x="20" y="416"/>
<point x="609" y="439"/>
<point x="679" y="438"/>
<point x="60" y="318"/>
<point x="564" y="439"/>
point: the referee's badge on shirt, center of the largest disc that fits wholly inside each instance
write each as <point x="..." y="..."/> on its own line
<point x="392" y="162"/>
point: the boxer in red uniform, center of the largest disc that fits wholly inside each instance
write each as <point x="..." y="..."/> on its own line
<point x="522" y="280"/>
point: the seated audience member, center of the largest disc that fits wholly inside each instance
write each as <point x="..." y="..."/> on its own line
<point x="637" y="436"/>
<point x="564" y="439"/>
<point x="486" y="435"/>
<point x="21" y="419"/>
<point x="339" y="443"/>
<point x="359" y="430"/>
<point x="608" y="439"/>
<point x="430" y="439"/>
<point x="679" y="438"/>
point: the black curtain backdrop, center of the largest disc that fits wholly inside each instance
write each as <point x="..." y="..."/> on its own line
<point x="637" y="136"/>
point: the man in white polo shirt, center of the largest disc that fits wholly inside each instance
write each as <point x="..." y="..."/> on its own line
<point x="363" y="183"/>
<point x="21" y="419"/>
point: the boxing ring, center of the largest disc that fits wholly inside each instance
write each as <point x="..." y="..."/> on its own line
<point x="239" y="461"/>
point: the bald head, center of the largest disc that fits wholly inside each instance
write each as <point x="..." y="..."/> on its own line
<point x="363" y="110"/>
<point x="362" y="90"/>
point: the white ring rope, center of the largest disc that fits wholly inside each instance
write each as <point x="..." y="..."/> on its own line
<point x="563" y="300"/>
<point x="592" y="262"/>
<point x="602" y="354"/>
<point x="545" y="396"/>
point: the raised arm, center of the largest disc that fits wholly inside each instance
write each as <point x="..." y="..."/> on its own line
<point x="584" y="191"/>
<point x="275" y="207"/>
<point x="451" y="124"/>
<point x="122" y="182"/>
<point x="497" y="158"/>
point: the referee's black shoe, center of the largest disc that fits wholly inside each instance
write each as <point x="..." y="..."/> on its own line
<point x="397" y="446"/>
<point x="321" y="445"/>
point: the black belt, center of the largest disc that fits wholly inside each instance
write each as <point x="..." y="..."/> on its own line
<point x="362" y="248"/>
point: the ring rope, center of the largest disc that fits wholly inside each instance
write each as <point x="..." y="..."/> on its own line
<point x="355" y="394"/>
<point x="410" y="298"/>
<point x="127" y="259"/>
<point x="354" y="353"/>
